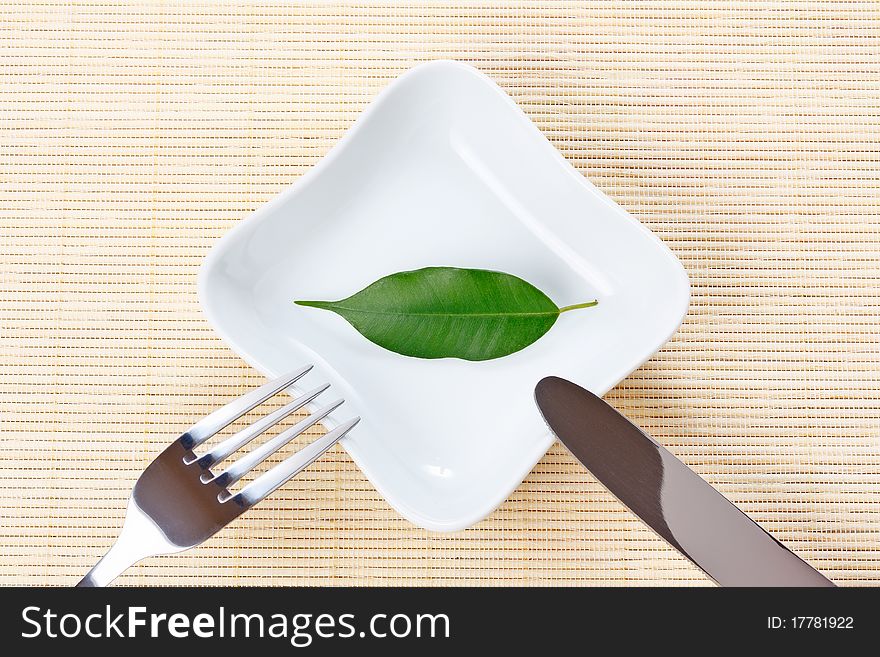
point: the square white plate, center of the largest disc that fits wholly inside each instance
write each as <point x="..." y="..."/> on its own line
<point x="443" y="169"/>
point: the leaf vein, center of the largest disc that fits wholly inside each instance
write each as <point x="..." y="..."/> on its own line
<point x="447" y="314"/>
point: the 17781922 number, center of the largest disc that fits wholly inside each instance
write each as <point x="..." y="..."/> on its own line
<point x="810" y="623"/>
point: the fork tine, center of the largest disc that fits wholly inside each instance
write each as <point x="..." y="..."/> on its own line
<point x="252" y="459"/>
<point x="232" y="444"/>
<point x="211" y="424"/>
<point x="269" y="481"/>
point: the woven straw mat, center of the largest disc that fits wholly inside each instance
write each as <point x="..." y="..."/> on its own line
<point x="745" y="134"/>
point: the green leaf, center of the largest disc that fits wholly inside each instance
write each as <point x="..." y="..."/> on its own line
<point x="441" y="312"/>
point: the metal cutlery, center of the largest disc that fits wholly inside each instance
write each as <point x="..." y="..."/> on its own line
<point x="178" y="502"/>
<point x="668" y="496"/>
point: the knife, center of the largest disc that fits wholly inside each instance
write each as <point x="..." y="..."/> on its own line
<point x="668" y="496"/>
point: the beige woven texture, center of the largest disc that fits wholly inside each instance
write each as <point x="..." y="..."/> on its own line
<point x="745" y="134"/>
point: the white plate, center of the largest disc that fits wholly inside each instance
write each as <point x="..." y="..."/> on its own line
<point x="443" y="169"/>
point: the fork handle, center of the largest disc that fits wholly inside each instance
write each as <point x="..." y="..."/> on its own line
<point x="117" y="560"/>
<point x="139" y="538"/>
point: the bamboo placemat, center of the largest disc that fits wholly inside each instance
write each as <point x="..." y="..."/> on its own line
<point x="746" y="134"/>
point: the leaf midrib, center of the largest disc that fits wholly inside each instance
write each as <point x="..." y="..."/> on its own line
<point x="445" y="314"/>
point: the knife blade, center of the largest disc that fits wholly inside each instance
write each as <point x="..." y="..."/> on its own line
<point x="669" y="497"/>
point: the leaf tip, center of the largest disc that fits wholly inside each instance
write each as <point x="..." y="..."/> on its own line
<point x="311" y="304"/>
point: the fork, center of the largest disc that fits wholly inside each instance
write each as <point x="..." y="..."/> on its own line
<point x="178" y="502"/>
